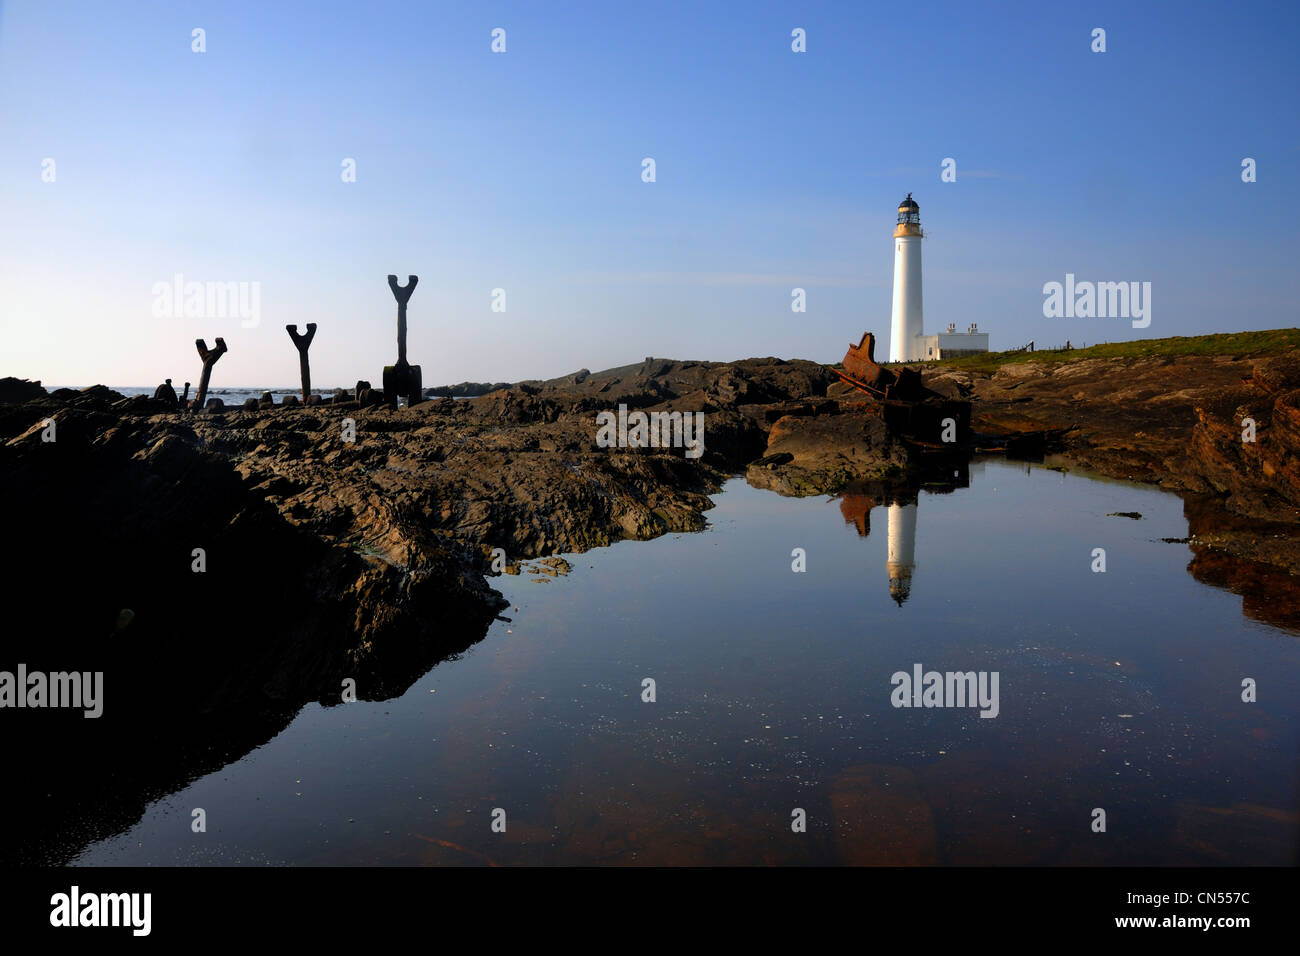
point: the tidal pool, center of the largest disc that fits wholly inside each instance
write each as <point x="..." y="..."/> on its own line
<point x="1118" y="691"/>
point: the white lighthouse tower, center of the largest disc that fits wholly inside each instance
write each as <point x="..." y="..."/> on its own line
<point x="902" y="551"/>
<point x="905" y="327"/>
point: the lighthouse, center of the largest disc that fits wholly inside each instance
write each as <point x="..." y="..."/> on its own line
<point x="905" y="327"/>
<point x="902" y="551"/>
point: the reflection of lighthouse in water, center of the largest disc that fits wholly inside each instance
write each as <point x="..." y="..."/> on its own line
<point x="902" y="550"/>
<point x="900" y="502"/>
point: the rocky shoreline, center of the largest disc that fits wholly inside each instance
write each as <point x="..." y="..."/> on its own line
<point x="430" y="491"/>
<point x="347" y="540"/>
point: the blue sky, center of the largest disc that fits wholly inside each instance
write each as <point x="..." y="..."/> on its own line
<point x="522" y="171"/>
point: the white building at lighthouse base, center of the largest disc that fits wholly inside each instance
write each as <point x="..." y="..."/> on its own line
<point x="952" y="344"/>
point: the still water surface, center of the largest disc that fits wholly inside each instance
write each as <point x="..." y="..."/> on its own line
<point x="1118" y="690"/>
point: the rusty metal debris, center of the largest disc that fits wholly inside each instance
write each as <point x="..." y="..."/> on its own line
<point x="303" y="342"/>
<point x="925" y="418"/>
<point x="863" y="372"/>
<point x="402" y="379"/>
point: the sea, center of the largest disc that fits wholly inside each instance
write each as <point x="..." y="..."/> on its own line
<point x="231" y="396"/>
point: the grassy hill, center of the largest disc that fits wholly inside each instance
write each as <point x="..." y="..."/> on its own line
<point x="1270" y="342"/>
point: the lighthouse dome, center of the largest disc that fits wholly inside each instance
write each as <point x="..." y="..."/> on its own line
<point x="909" y="211"/>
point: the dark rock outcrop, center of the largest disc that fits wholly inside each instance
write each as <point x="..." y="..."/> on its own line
<point x="464" y="389"/>
<point x="162" y="527"/>
<point x="810" y="454"/>
<point x="16" y="390"/>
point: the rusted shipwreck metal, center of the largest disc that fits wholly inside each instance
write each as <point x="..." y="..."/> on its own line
<point x="922" y="416"/>
<point x="863" y="372"/>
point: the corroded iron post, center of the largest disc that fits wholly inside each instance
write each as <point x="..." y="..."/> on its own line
<point x="402" y="379"/>
<point x="209" y="360"/>
<point x="303" y="342"/>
